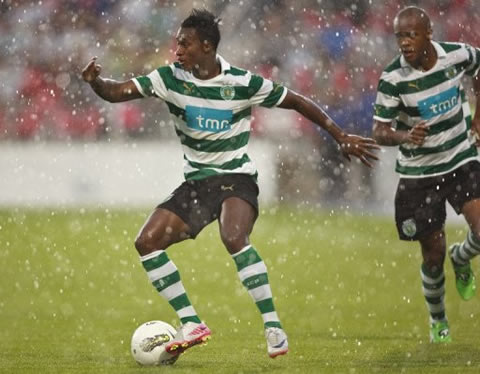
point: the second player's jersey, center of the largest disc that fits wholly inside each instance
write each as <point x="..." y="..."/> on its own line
<point x="212" y="117"/>
<point x="407" y="96"/>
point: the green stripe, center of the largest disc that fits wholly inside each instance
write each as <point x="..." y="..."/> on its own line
<point x="386" y="112"/>
<point x="452" y="143"/>
<point x="272" y="324"/>
<point x="387" y="88"/>
<point x="167" y="281"/>
<point x="156" y="262"/>
<point x="235" y="71"/>
<point x="180" y="302"/>
<point x="195" y="319"/>
<point x="471" y="71"/>
<point x="247" y="258"/>
<point x="255" y="84"/>
<point x="256" y="281"/>
<point x="429" y="81"/>
<point x="229" y="165"/>
<point x="211" y="146"/>
<point x="446" y="124"/>
<point x="146" y="85"/>
<point x="394" y="65"/>
<point x="437" y="127"/>
<point x="433" y="169"/>
<point x="273" y="97"/>
<point x="265" y="306"/>
<point x="176" y="111"/>
<point x="190" y="89"/>
<point x="411" y="111"/>
<point x="434" y="300"/>
<point x="434" y="286"/>
<point x="449" y="47"/>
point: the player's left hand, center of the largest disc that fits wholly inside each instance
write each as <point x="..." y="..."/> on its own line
<point x="360" y="147"/>
<point x="476" y="130"/>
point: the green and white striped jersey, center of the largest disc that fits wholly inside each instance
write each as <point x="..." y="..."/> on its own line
<point x="212" y="117"/>
<point x="407" y="96"/>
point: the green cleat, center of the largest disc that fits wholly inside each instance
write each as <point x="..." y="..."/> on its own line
<point x="464" y="277"/>
<point x="439" y="332"/>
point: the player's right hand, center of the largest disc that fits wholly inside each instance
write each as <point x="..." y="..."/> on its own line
<point x="91" y="71"/>
<point x="418" y="133"/>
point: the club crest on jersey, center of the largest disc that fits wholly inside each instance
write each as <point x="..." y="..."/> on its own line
<point x="409" y="227"/>
<point x="451" y="72"/>
<point x="227" y="92"/>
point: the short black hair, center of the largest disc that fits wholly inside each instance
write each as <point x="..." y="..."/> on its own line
<point x="205" y="24"/>
<point x="418" y="13"/>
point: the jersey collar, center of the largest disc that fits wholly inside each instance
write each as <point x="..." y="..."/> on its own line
<point x="441" y="54"/>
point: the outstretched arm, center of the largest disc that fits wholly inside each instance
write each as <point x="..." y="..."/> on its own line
<point x="109" y="89"/>
<point x="351" y="145"/>
<point x="476" y="117"/>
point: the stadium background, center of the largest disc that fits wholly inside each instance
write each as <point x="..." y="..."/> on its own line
<point x="78" y="176"/>
<point x="56" y="135"/>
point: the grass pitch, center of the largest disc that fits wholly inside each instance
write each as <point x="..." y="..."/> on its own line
<point x="72" y="292"/>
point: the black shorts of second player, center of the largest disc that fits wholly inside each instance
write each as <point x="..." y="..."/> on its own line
<point x="199" y="202"/>
<point x="420" y="203"/>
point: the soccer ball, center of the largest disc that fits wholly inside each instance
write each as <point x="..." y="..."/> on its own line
<point x="148" y="344"/>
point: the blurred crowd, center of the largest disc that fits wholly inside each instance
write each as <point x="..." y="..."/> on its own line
<point x="331" y="50"/>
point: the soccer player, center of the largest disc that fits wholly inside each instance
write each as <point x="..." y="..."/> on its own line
<point x="422" y="108"/>
<point x="211" y="102"/>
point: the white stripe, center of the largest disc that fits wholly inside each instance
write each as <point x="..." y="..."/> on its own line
<point x="434" y="293"/>
<point x="387" y="100"/>
<point x="157" y="84"/>
<point x="248" y="168"/>
<point x="244" y="249"/>
<point x="151" y="255"/>
<point x="261" y="293"/>
<point x="430" y="280"/>
<point x="188" y="311"/>
<point x="162" y="271"/>
<point x="217" y="158"/>
<point x="251" y="270"/>
<point x="270" y="317"/>
<point x="173" y="291"/>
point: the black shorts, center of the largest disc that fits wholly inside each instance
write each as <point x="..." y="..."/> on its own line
<point x="420" y="207"/>
<point x="199" y="202"/>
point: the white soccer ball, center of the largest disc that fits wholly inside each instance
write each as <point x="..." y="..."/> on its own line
<point x="148" y="344"/>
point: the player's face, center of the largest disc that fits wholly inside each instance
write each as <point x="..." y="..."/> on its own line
<point x="190" y="50"/>
<point x="413" y="38"/>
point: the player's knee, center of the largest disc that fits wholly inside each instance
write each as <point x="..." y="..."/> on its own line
<point x="233" y="242"/>
<point x="144" y="244"/>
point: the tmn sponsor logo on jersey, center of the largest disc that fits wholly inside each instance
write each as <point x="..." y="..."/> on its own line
<point x="208" y="119"/>
<point x="439" y="104"/>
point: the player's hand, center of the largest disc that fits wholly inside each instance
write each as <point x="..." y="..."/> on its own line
<point x="417" y="134"/>
<point x="91" y="71"/>
<point x="360" y="147"/>
<point x="476" y="131"/>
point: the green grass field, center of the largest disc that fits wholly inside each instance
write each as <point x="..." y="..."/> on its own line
<point x="72" y="292"/>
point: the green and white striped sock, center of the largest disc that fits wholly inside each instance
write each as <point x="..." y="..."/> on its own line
<point x="433" y="287"/>
<point x="467" y="250"/>
<point x="166" y="279"/>
<point x="253" y="274"/>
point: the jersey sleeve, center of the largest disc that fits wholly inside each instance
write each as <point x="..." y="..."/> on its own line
<point x="473" y="60"/>
<point x="387" y="102"/>
<point x="265" y="92"/>
<point x="153" y="83"/>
